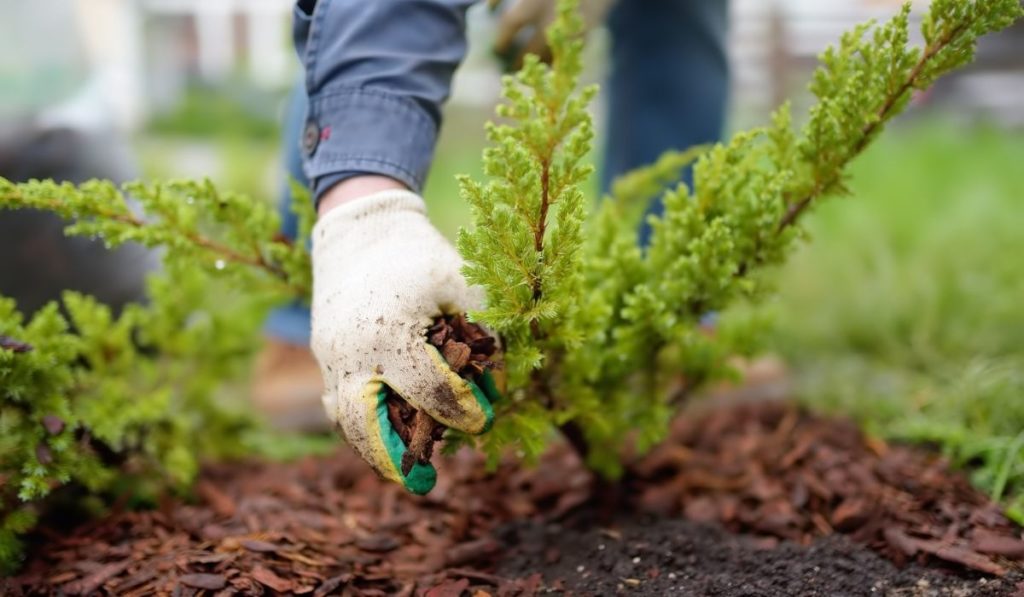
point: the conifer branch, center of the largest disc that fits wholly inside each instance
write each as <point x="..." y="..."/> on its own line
<point x="538" y="240"/>
<point x="255" y="259"/>
<point x="883" y="115"/>
<point x="115" y="223"/>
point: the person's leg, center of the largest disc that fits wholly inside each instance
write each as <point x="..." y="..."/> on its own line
<point x="668" y="85"/>
<point x="668" y="89"/>
<point x="291" y="323"/>
<point x="286" y="382"/>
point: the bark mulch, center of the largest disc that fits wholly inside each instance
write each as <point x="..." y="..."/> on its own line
<point x="769" y="469"/>
<point x="821" y="509"/>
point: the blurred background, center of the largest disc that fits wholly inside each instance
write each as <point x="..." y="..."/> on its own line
<point x="196" y="87"/>
<point x="906" y="308"/>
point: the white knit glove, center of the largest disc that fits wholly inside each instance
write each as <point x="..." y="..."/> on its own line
<point x="381" y="274"/>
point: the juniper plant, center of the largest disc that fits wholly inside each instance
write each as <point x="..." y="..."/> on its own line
<point x="89" y="398"/>
<point x="604" y="338"/>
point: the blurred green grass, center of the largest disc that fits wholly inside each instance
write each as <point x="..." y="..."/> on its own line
<point x="458" y="152"/>
<point x="906" y="308"/>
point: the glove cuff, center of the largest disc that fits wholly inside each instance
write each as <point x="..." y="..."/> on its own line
<point x="347" y="232"/>
<point x="367" y="208"/>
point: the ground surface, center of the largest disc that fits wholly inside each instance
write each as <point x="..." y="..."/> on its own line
<point x="665" y="557"/>
<point x="821" y="511"/>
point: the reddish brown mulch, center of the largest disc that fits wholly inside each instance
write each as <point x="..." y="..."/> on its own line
<point x="327" y="526"/>
<point x="770" y="470"/>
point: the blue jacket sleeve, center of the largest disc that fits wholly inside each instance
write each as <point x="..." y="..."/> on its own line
<point x="377" y="74"/>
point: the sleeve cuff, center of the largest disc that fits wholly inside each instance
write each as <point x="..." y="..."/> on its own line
<point x="367" y="131"/>
<point x="325" y="182"/>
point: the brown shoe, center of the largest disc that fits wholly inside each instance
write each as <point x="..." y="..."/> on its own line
<point x="762" y="378"/>
<point x="287" y="388"/>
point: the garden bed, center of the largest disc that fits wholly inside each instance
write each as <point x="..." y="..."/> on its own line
<point x="755" y="499"/>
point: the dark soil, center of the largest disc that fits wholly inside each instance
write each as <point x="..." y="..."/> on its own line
<point x="819" y="510"/>
<point x="656" y="556"/>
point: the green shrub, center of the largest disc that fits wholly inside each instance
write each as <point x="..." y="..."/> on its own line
<point x="90" y="398"/>
<point x="235" y="110"/>
<point x="602" y="337"/>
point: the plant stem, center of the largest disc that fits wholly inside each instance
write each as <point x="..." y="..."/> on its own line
<point x="538" y="237"/>
<point x="8" y="343"/>
<point x="545" y="202"/>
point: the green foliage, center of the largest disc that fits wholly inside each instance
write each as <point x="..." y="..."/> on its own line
<point x="531" y="269"/>
<point x="526" y="249"/>
<point x="598" y="331"/>
<point x="904" y="310"/>
<point x="634" y="190"/>
<point x="90" y="398"/>
<point x="220" y="233"/>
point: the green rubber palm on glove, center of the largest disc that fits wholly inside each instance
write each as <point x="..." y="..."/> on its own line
<point x="381" y="275"/>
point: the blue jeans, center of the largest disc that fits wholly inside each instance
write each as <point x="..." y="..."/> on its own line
<point x="291" y="323"/>
<point x="667" y="89"/>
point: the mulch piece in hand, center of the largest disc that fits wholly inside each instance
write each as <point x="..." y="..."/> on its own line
<point x="469" y="350"/>
<point x="328" y="526"/>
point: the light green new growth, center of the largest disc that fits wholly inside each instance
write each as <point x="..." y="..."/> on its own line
<point x="525" y="251"/>
<point x="603" y="338"/>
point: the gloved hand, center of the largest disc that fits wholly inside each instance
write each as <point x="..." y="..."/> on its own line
<point x="535" y="16"/>
<point x="381" y="274"/>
